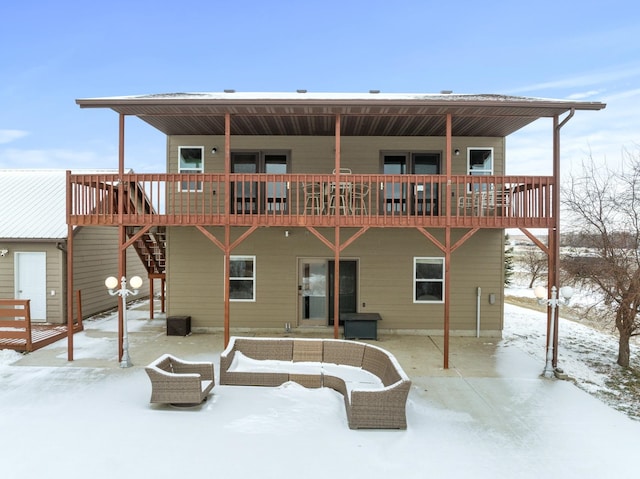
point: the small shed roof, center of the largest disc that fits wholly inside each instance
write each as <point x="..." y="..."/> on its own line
<point x="33" y="204"/>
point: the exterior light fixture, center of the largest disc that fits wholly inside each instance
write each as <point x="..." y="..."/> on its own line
<point x="214" y="150"/>
<point x="566" y="293"/>
<point x="456" y="152"/>
<point x="112" y="283"/>
<point x="4" y="252"/>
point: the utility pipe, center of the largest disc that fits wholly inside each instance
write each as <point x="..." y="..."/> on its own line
<point x="479" y="296"/>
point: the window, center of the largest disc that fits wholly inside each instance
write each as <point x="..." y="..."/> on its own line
<point x="480" y="163"/>
<point x="242" y="278"/>
<point x="190" y="160"/>
<point x="428" y="280"/>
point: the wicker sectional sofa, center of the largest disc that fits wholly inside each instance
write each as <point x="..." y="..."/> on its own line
<point x="380" y="407"/>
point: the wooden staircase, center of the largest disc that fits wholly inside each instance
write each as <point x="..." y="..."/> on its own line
<point x="151" y="248"/>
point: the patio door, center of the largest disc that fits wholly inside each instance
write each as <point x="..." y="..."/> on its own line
<point x="250" y="197"/>
<point x="312" y="292"/>
<point x="31" y="282"/>
<point x="425" y="199"/>
<point x="348" y="287"/>
<point x="316" y="291"/>
<point x="417" y="198"/>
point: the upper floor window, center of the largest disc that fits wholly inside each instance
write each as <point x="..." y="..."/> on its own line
<point x="480" y="161"/>
<point x="191" y="160"/>
<point x="428" y="280"/>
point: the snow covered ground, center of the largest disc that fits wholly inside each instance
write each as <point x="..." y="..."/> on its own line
<point x="586" y="354"/>
<point x="80" y="422"/>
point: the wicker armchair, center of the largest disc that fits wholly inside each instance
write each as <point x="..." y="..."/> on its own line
<point x="175" y="381"/>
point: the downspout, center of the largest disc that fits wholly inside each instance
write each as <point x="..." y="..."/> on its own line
<point x="478" y="297"/>
<point x="554" y="236"/>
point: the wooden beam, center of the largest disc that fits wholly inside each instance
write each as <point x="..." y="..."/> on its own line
<point x="69" y="251"/>
<point x="464" y="238"/>
<point x="227" y="289"/>
<point x="538" y="243"/>
<point x="336" y="250"/>
<point x="318" y="235"/>
<point x="356" y="235"/>
<point x="242" y="237"/>
<point x="447" y="294"/>
<point x="433" y="239"/>
<point x="136" y="236"/>
<point x="212" y="238"/>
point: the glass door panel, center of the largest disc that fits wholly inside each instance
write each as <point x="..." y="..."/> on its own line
<point x="244" y="193"/>
<point x="276" y="190"/>
<point x="425" y="201"/>
<point x="312" y="289"/>
<point x="395" y="193"/>
<point x="348" y="288"/>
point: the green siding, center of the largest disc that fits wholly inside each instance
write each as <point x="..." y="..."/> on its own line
<point x="385" y="259"/>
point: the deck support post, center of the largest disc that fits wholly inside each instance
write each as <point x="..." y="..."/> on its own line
<point x="336" y="242"/>
<point x="227" y="227"/>
<point x="69" y="252"/>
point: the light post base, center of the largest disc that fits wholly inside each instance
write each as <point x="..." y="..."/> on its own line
<point x="548" y="373"/>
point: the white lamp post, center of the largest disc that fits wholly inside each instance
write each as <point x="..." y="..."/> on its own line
<point x="112" y="283"/>
<point x="565" y="295"/>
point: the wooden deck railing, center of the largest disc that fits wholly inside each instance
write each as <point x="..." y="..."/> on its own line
<point x="312" y="199"/>
<point x="15" y="321"/>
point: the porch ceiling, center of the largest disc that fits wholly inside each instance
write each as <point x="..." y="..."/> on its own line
<point x="314" y="114"/>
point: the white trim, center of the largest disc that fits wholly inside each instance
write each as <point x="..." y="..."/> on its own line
<point x="415" y="280"/>
<point x="35" y="282"/>
<point x="198" y="186"/>
<point x="493" y="160"/>
<point x="252" y="279"/>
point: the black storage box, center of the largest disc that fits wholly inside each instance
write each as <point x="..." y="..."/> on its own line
<point x="360" y="325"/>
<point x="178" y="325"/>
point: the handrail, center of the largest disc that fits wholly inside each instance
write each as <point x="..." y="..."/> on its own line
<point x="20" y="326"/>
<point x="310" y="199"/>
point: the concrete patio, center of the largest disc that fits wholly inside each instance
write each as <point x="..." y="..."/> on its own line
<point x="489" y="415"/>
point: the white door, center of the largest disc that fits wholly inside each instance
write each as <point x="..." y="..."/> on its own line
<point x="31" y="282"/>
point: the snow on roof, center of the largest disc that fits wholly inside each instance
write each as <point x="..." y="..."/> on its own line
<point x="303" y="95"/>
<point x="33" y="204"/>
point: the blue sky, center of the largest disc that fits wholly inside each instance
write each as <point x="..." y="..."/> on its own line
<point x="55" y="52"/>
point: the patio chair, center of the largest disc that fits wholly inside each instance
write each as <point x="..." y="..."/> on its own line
<point x="175" y="381"/>
<point x="359" y="195"/>
<point x="313" y="197"/>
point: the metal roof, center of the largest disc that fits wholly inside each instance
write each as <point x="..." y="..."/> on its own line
<point x="362" y="114"/>
<point x="33" y="204"/>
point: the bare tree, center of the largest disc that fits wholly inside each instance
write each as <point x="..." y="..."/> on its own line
<point x="534" y="262"/>
<point x="605" y="206"/>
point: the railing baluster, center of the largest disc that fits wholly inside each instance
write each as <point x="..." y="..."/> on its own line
<point x="280" y="199"/>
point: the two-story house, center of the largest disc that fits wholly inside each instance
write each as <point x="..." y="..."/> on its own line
<point x="280" y="209"/>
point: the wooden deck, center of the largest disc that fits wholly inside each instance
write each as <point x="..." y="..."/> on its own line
<point x="41" y="336"/>
<point x="17" y="332"/>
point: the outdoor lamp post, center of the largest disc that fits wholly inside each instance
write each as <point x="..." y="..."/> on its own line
<point x="112" y="283"/>
<point x="565" y="295"/>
